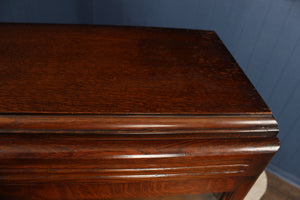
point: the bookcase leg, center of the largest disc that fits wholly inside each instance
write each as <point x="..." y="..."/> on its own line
<point x="240" y="192"/>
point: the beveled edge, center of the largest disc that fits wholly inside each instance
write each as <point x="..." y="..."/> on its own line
<point x="264" y="125"/>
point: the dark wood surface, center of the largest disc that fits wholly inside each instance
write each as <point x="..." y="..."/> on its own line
<point x="141" y="126"/>
<point x="277" y="189"/>
<point x="179" y="197"/>
<point x="97" y="112"/>
<point x="97" y="69"/>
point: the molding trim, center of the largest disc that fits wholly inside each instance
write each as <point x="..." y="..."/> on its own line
<point x="248" y="125"/>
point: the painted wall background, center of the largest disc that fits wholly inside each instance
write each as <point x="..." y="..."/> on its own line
<point x="263" y="36"/>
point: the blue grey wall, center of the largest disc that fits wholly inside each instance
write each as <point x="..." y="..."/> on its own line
<point x="263" y="36"/>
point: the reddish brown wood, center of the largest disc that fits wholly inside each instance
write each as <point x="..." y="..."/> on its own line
<point x="99" y="112"/>
<point x="108" y="190"/>
<point x="241" y="191"/>
<point x="96" y="69"/>
<point x="77" y="169"/>
<point x="142" y="126"/>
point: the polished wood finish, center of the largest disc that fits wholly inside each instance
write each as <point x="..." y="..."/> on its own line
<point x="142" y="126"/>
<point x="95" y="69"/>
<point x="277" y="189"/>
<point x="99" y="112"/>
<point x="178" y="197"/>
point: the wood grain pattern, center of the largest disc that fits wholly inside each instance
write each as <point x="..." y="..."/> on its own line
<point x="263" y="37"/>
<point x="46" y="160"/>
<point x="241" y="191"/>
<point x="116" y="190"/>
<point x="99" y="112"/>
<point x="98" y="69"/>
<point x="142" y="126"/>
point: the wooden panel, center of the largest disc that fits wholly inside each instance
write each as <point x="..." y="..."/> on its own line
<point x="82" y="160"/>
<point x="51" y="69"/>
<point x="84" y="169"/>
<point x="122" y="191"/>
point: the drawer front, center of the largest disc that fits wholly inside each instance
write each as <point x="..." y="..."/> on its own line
<point x="132" y="167"/>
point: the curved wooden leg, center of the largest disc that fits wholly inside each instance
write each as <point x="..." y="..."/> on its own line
<point x="240" y="192"/>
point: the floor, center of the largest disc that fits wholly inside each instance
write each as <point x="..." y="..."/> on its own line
<point x="277" y="189"/>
